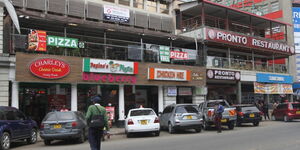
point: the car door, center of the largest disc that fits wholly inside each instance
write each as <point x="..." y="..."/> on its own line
<point x="12" y="123"/>
<point x="24" y="124"/>
<point x="163" y="117"/>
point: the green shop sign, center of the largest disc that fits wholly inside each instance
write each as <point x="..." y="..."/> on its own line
<point x="164" y="53"/>
<point x="62" y="41"/>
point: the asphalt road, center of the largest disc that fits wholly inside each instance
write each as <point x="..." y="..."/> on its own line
<point x="269" y="135"/>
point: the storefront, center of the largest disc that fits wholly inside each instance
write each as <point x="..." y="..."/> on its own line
<point x="51" y="82"/>
<point x="274" y="87"/>
<point x="223" y="84"/>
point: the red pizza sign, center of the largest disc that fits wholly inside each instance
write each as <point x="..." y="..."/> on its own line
<point x="49" y="68"/>
<point x="179" y="55"/>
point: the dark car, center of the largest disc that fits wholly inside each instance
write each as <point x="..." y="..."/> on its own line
<point x="14" y="126"/>
<point x="64" y="126"/>
<point x="287" y="111"/>
<point x="248" y="114"/>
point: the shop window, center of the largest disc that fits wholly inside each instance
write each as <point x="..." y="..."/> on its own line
<point x="275" y="6"/>
<point x="112" y="1"/>
<point x="124" y="2"/>
<point x="164" y="7"/>
<point x="151" y="53"/>
<point x="151" y="5"/>
<point x="265" y="9"/>
<point x="138" y="4"/>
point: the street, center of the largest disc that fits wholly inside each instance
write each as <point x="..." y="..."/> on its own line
<point x="270" y="135"/>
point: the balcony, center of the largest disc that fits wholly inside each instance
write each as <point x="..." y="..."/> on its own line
<point x="250" y="65"/>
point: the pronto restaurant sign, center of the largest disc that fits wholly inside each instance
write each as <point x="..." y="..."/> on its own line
<point x="109" y="66"/>
<point x="169" y="74"/>
<point x="242" y="40"/>
<point x="223" y="75"/>
<point x="49" y="68"/>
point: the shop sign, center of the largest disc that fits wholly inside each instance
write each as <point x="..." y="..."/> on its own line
<point x="185" y="91"/>
<point x="164" y="53"/>
<point x="172" y="91"/>
<point x="109" y="66"/>
<point x="197" y="76"/>
<point x="242" y="40"/>
<point x="37" y="41"/>
<point x="49" y="68"/>
<point x="179" y="55"/>
<point x="116" y="14"/>
<point x="223" y="75"/>
<point x="108" y="78"/>
<point x="62" y="41"/>
<point x="169" y="74"/>
<point x="260" y="88"/>
<point x="200" y="90"/>
<point x="110" y="112"/>
<point x="274" y="78"/>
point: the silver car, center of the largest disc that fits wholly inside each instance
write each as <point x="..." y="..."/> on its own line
<point x="181" y="116"/>
<point x="64" y="126"/>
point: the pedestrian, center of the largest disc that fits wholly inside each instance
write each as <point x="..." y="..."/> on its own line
<point x="265" y="108"/>
<point x="219" y="109"/>
<point x="275" y="104"/>
<point x="64" y="109"/>
<point x="96" y="133"/>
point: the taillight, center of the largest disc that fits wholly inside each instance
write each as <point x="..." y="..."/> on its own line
<point x="130" y="122"/>
<point x="42" y="126"/>
<point x="74" y="124"/>
<point x="210" y="113"/>
<point x="156" y="120"/>
<point x="232" y="113"/>
<point x="240" y="113"/>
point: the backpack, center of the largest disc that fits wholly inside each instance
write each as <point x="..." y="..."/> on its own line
<point x="97" y="121"/>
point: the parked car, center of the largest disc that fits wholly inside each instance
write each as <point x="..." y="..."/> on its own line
<point x="142" y="120"/>
<point x="248" y="114"/>
<point x="14" y="126"/>
<point x="181" y="116"/>
<point x="64" y="126"/>
<point x="287" y="111"/>
<point x="228" y="116"/>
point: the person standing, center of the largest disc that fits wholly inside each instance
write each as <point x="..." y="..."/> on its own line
<point x="265" y="108"/>
<point x="219" y="109"/>
<point x="95" y="134"/>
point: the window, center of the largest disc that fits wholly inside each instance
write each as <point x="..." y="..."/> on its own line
<point x="138" y="4"/>
<point x="124" y="2"/>
<point x="164" y="7"/>
<point x="141" y="113"/>
<point x="112" y="1"/>
<point x="10" y="115"/>
<point x="274" y="6"/>
<point x="151" y="5"/>
<point x="2" y="116"/>
<point x="19" y="115"/>
<point x="186" y="109"/>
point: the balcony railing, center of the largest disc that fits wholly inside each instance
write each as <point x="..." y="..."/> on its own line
<point x="239" y="64"/>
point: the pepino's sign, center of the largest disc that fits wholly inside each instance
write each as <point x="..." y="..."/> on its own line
<point x="49" y="68"/>
<point x="242" y="40"/>
<point x="169" y="74"/>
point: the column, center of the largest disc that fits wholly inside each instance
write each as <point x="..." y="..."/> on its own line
<point x="121" y="103"/>
<point x="160" y="98"/>
<point x="168" y="100"/>
<point x="15" y="94"/>
<point x="239" y="92"/>
<point x="99" y="90"/>
<point x="74" y="97"/>
<point x="197" y="99"/>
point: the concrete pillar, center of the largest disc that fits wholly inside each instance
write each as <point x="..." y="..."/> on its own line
<point x="160" y="98"/>
<point x="121" y="103"/>
<point x="267" y="98"/>
<point x="57" y="89"/>
<point x="15" y="94"/>
<point x="239" y="92"/>
<point x="74" y="97"/>
<point x="99" y="90"/>
<point x="168" y="100"/>
<point x="197" y="99"/>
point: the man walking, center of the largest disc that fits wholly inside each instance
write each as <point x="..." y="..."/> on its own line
<point x="219" y="109"/>
<point x="95" y="134"/>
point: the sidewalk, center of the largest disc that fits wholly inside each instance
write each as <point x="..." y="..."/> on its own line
<point x="117" y="131"/>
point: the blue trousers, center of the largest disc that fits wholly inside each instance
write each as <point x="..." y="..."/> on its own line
<point x="95" y="135"/>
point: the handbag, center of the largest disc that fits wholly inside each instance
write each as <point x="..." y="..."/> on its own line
<point x="97" y="121"/>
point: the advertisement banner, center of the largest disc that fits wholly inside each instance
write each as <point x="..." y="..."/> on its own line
<point x="116" y="14"/>
<point x="260" y="88"/>
<point x="62" y="41"/>
<point x="109" y="66"/>
<point x="110" y="110"/>
<point x="169" y="74"/>
<point x="273" y="78"/>
<point x="172" y="91"/>
<point x="37" y="41"/>
<point x="164" y="53"/>
<point x="179" y="55"/>
<point x="185" y="91"/>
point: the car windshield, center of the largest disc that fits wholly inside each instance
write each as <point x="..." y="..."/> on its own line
<point x="186" y="109"/>
<point x="213" y="104"/>
<point x="59" y="116"/>
<point x="296" y="106"/>
<point x="141" y="113"/>
<point x="252" y="109"/>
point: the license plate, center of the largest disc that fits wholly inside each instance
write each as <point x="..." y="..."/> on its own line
<point x="224" y="120"/>
<point x="188" y="117"/>
<point x="57" y="126"/>
<point x="144" y="122"/>
<point x="251" y="115"/>
<point x="297" y="112"/>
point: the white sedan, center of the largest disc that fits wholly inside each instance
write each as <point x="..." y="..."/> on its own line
<point x="142" y="120"/>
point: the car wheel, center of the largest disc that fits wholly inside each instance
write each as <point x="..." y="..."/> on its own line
<point x="81" y="139"/>
<point x="198" y="130"/>
<point x="231" y="125"/>
<point x="256" y="123"/>
<point x="170" y="128"/>
<point x="5" y="141"/>
<point x="157" y="133"/>
<point x="47" y="142"/>
<point x="205" y="125"/>
<point x="285" y="119"/>
<point x="33" y="137"/>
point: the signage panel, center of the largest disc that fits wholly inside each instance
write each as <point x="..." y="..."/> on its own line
<point x="109" y="66"/>
<point x="261" y="88"/>
<point x="62" y="41"/>
<point x="274" y="78"/>
<point x="179" y="55"/>
<point x="108" y="78"/>
<point x="37" y="41"/>
<point x="169" y="74"/>
<point x="116" y="14"/>
<point x="223" y="74"/>
<point x="164" y="53"/>
<point x="172" y="91"/>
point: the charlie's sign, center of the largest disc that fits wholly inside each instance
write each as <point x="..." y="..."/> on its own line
<point x="242" y="40"/>
<point x="169" y="74"/>
<point x="109" y="66"/>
